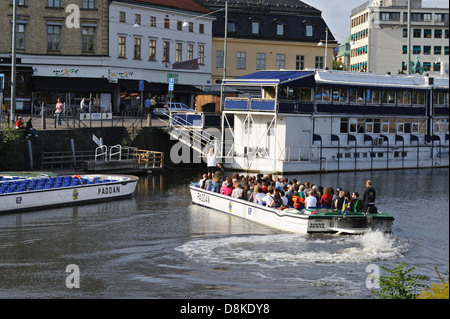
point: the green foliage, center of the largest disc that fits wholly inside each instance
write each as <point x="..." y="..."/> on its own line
<point x="11" y="142"/>
<point x="400" y="284"/>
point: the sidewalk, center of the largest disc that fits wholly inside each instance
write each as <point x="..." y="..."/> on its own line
<point x="69" y="122"/>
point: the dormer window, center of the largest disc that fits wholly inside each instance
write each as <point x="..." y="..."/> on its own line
<point x="281" y="27"/>
<point x="309" y="30"/>
<point x="256" y="26"/>
<point x="231" y="25"/>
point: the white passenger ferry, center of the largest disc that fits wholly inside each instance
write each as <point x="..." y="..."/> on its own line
<point x="293" y="220"/>
<point x="21" y="193"/>
<point x="313" y="121"/>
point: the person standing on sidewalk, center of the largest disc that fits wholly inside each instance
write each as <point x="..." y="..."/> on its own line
<point x="58" y="111"/>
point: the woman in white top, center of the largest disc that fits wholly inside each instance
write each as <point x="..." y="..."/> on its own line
<point x="211" y="162"/>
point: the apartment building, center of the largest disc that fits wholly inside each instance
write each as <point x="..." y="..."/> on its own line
<point x="379" y="37"/>
<point x="268" y="35"/>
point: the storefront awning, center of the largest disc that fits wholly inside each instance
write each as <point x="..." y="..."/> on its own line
<point x="69" y="85"/>
<point x="158" y="88"/>
<point x="19" y="69"/>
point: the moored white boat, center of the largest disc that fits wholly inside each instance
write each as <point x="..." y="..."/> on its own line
<point x="31" y="193"/>
<point x="292" y="220"/>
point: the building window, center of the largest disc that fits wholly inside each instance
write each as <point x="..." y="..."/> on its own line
<point x="241" y="58"/>
<point x="53" y="3"/>
<point x="309" y="30"/>
<point x="416" y="49"/>
<point x="152" y="50"/>
<point x="390" y="16"/>
<point x="166" y="23"/>
<point x="179" y="52"/>
<point x="20" y="44"/>
<point x="122" y="46"/>
<point x="201" y="54"/>
<point x="436" y="67"/>
<point x="417" y="33"/>
<point x="190" y="51"/>
<point x="260" y="61"/>
<point x="437" y="50"/>
<point x="137" y="48"/>
<point x="300" y="62"/>
<point x="137" y="19"/>
<point x="427" y="66"/>
<point x="319" y="62"/>
<point x="19" y="2"/>
<point x="438" y="33"/>
<point x="446" y="50"/>
<point x="122" y="16"/>
<point x="191" y="27"/>
<point x="53" y="37"/>
<point x="405" y="49"/>
<point x="405" y="33"/>
<point x="426" y="49"/>
<point x="88" y="4"/>
<point x="281" y="29"/>
<point x="153" y="21"/>
<point x="256" y="27"/>
<point x="219" y="59"/>
<point x="231" y="26"/>
<point x="201" y="28"/>
<point x="88" y="39"/>
<point x="281" y="61"/>
<point x="166" y="51"/>
<point x="427" y="33"/>
<point x="179" y="25"/>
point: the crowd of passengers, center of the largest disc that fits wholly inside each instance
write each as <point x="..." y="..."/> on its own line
<point x="281" y="193"/>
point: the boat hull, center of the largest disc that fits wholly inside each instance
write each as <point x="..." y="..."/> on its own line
<point x="292" y="220"/>
<point x="66" y="196"/>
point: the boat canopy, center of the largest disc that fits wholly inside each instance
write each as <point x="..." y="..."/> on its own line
<point x="280" y="78"/>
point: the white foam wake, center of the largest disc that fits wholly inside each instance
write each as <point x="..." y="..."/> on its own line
<point x="293" y="249"/>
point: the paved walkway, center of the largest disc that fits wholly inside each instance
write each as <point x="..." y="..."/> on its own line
<point x="69" y="122"/>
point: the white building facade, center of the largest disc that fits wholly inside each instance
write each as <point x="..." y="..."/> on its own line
<point x="379" y="37"/>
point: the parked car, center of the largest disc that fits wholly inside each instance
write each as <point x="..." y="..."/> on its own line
<point x="163" y="109"/>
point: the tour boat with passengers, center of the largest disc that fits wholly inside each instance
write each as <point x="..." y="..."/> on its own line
<point x="21" y="193"/>
<point x="292" y="220"/>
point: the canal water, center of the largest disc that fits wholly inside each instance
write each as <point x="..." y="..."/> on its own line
<point x="158" y="245"/>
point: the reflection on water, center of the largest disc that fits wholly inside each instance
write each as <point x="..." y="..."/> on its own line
<point x="159" y="245"/>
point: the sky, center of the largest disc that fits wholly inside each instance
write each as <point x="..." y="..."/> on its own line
<point x="337" y="13"/>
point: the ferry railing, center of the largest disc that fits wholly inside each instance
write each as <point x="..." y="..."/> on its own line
<point x="101" y="152"/>
<point x="150" y="159"/>
<point x="115" y="150"/>
<point x="206" y="139"/>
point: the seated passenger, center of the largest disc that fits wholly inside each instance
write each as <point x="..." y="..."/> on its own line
<point x="356" y="204"/>
<point x="202" y="181"/>
<point x="268" y="198"/>
<point x="326" y="199"/>
<point x="277" y="202"/>
<point x="259" y="197"/>
<point x="217" y="185"/>
<point x="228" y="190"/>
<point x="311" y="200"/>
<point x="237" y="191"/>
<point x="299" y="202"/>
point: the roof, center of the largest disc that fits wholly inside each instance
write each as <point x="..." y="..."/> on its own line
<point x="282" y="78"/>
<point x="343" y="78"/>
<point x="293" y="13"/>
<point x="188" y="5"/>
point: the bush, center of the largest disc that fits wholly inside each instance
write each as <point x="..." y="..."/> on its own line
<point x="437" y="291"/>
<point x="11" y="148"/>
<point x="400" y="284"/>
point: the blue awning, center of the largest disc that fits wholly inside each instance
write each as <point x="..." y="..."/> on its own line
<point x="282" y="78"/>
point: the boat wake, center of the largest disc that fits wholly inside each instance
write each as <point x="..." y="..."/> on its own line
<point x="294" y="249"/>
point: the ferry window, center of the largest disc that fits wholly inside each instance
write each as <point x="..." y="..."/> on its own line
<point x="344" y="125"/>
<point x="305" y="95"/>
<point x="369" y="125"/>
<point x="385" y="126"/>
<point x="352" y="95"/>
<point x="376" y="126"/>
<point x="438" y="98"/>
<point x="326" y="94"/>
<point x="357" y="126"/>
<point x="407" y="127"/>
<point x="418" y="126"/>
<point x="388" y="97"/>
<point x="336" y="94"/>
<point x="359" y="95"/>
<point x="318" y="96"/>
<point x="392" y="126"/>
<point x="403" y="97"/>
<point x="400" y="126"/>
<point x="343" y="96"/>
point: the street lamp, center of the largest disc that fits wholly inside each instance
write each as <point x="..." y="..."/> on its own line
<point x="320" y="44"/>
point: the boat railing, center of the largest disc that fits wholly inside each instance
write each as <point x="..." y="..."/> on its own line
<point x="115" y="152"/>
<point x="101" y="152"/>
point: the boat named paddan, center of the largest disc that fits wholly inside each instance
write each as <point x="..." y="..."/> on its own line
<point x="22" y="193"/>
<point x="293" y="220"/>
